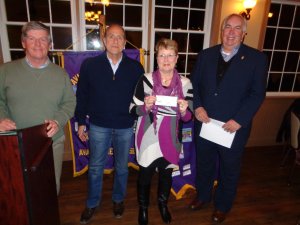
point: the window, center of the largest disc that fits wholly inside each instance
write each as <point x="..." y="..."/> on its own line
<point x="282" y="47"/>
<point x="183" y="21"/>
<point x="128" y="13"/>
<point x="18" y="12"/>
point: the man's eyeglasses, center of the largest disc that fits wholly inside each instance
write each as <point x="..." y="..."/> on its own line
<point x="169" y="56"/>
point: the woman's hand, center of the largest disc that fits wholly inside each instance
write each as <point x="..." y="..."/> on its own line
<point x="182" y="104"/>
<point x="149" y="102"/>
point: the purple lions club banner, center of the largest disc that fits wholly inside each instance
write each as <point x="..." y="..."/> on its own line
<point x="183" y="177"/>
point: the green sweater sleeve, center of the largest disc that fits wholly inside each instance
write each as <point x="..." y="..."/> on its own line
<point x="3" y="106"/>
<point x="66" y="105"/>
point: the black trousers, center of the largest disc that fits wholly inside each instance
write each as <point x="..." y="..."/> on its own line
<point x="164" y="173"/>
<point x="229" y="160"/>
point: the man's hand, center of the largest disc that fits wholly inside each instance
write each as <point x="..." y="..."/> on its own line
<point x="82" y="134"/>
<point x="201" y="115"/>
<point x="7" y="124"/>
<point x="52" y="127"/>
<point x="231" y="126"/>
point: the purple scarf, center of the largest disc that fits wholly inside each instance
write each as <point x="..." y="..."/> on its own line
<point x="174" y="89"/>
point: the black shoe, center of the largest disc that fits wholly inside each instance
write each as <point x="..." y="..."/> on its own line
<point x="87" y="215"/>
<point x="164" y="212"/>
<point x="118" y="209"/>
<point x="218" y="216"/>
<point x="143" y="216"/>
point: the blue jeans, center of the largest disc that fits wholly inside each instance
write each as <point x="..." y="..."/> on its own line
<point x="100" y="141"/>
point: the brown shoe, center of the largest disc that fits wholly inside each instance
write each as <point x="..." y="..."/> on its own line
<point x="118" y="209"/>
<point x="196" y="204"/>
<point x="218" y="216"/>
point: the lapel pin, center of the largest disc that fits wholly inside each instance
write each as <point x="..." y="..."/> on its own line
<point x="242" y="58"/>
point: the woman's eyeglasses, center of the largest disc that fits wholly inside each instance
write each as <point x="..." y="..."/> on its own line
<point x="169" y="56"/>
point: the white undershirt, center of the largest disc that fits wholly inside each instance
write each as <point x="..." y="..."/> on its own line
<point x="114" y="66"/>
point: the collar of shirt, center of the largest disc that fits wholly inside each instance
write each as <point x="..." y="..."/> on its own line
<point x="227" y="56"/>
<point x="40" y="67"/>
<point x="114" y="66"/>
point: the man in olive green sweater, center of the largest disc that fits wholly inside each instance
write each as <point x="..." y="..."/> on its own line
<point x="33" y="91"/>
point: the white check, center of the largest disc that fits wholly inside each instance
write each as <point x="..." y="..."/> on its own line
<point x="214" y="132"/>
<point x="166" y="100"/>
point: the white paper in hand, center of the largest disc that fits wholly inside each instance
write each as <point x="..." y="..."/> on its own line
<point x="166" y="100"/>
<point x="214" y="132"/>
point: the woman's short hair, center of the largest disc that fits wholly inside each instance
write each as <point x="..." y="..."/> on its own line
<point x="34" y="25"/>
<point x="166" y="44"/>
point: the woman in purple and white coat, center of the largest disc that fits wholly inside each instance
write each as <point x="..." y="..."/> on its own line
<point x="161" y="101"/>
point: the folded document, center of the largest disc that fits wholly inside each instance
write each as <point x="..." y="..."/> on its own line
<point x="214" y="132"/>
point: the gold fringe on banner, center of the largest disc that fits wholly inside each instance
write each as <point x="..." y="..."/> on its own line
<point x="142" y="56"/>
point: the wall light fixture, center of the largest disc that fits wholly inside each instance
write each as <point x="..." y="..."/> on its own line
<point x="248" y="5"/>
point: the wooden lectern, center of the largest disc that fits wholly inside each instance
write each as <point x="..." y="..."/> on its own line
<point x="27" y="180"/>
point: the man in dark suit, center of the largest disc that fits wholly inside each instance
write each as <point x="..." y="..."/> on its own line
<point x="229" y="83"/>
